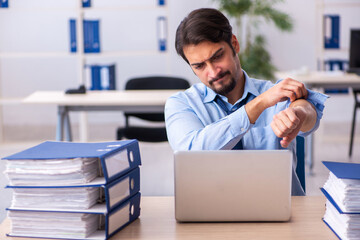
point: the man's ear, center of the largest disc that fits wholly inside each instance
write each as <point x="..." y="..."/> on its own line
<point x="235" y="43"/>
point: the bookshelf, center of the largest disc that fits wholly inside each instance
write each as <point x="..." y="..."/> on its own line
<point x="38" y="43"/>
<point x="347" y="13"/>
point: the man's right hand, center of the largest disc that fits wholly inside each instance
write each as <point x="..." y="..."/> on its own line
<point x="286" y="89"/>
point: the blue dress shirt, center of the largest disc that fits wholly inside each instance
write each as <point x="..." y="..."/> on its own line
<point x="196" y="121"/>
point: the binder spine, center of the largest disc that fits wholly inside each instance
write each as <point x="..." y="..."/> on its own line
<point x="112" y="78"/>
<point x="4" y="3"/>
<point x="95" y="77"/>
<point x="331" y="31"/>
<point x="161" y="3"/>
<point x="73" y="44"/>
<point x="100" y="77"/>
<point x="91" y="36"/>
<point x="121" y="189"/>
<point x="123" y="216"/>
<point x="124" y="159"/>
<point x="162" y="33"/>
<point x="104" y="78"/>
<point x="86" y="3"/>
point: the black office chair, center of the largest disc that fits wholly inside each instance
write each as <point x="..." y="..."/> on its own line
<point x="142" y="133"/>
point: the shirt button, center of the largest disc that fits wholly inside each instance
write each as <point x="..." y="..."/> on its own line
<point x="242" y="129"/>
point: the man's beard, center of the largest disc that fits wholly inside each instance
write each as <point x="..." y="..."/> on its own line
<point x="225" y="89"/>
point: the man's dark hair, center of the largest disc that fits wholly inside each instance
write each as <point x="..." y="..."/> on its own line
<point x="204" y="24"/>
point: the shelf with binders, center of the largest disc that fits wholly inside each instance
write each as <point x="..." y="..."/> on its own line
<point x="115" y="36"/>
<point x="336" y="18"/>
<point x="38" y="43"/>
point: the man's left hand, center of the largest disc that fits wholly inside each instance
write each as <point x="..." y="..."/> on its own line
<point x="287" y="124"/>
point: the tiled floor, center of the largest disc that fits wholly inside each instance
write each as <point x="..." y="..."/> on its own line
<point x="330" y="144"/>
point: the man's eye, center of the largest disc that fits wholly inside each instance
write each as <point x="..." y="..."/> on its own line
<point x="198" y="67"/>
<point x="218" y="56"/>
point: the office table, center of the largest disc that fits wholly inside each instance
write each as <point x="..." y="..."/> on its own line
<point x="157" y="222"/>
<point x="130" y="101"/>
<point x="321" y="79"/>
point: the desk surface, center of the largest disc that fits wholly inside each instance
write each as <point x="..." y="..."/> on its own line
<point x="157" y="222"/>
<point x="319" y="79"/>
<point x="102" y="98"/>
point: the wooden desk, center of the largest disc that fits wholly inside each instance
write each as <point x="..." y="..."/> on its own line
<point x="129" y="101"/>
<point x="157" y="222"/>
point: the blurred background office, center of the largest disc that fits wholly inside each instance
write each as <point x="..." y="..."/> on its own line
<point x="41" y="44"/>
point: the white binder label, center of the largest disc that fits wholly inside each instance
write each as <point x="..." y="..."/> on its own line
<point x="119" y="192"/>
<point x="117" y="163"/>
<point x="119" y="218"/>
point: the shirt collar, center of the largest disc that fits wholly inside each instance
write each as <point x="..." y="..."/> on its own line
<point x="210" y="95"/>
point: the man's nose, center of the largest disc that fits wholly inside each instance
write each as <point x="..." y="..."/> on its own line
<point x="213" y="70"/>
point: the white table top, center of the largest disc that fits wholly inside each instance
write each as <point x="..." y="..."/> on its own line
<point x="323" y="79"/>
<point x="102" y="98"/>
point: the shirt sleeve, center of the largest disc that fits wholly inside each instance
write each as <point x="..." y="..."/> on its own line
<point x="318" y="101"/>
<point x="189" y="126"/>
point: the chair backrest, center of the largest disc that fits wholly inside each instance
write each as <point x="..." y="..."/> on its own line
<point x="154" y="83"/>
<point x="300" y="155"/>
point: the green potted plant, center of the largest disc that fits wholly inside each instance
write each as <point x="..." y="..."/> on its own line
<point x="254" y="57"/>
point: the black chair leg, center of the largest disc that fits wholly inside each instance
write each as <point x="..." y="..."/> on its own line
<point x="356" y="105"/>
<point x="352" y="131"/>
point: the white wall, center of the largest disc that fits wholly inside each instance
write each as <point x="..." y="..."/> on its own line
<point x="34" y="47"/>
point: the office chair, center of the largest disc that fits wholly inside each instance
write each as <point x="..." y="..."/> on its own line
<point x="142" y="133"/>
<point x="300" y="155"/>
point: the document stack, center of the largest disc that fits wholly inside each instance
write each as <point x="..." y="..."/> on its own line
<point x="342" y="190"/>
<point x="74" y="190"/>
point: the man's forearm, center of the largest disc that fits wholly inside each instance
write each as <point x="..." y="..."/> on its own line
<point x="254" y="109"/>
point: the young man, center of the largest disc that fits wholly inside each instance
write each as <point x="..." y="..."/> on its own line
<point x="228" y="109"/>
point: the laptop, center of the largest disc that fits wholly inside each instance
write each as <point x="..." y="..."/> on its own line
<point x="231" y="186"/>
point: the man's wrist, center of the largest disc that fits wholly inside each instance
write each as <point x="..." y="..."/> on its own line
<point x="254" y="108"/>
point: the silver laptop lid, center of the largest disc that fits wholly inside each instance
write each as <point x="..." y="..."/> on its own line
<point x="228" y="185"/>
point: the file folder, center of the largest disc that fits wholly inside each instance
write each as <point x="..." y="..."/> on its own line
<point x="95" y="77"/>
<point x="4" y="3"/>
<point x="340" y="223"/>
<point x="162" y="33"/>
<point x="109" y="222"/>
<point x="91" y="36"/>
<point x="342" y="190"/>
<point x="332" y="201"/>
<point x="115" y="158"/>
<point x="107" y="77"/>
<point x="100" y="77"/>
<point x="73" y="44"/>
<point x="86" y="3"/>
<point x="331" y="31"/>
<point x="344" y="170"/>
<point x="112" y="194"/>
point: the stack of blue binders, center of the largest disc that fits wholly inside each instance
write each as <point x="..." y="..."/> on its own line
<point x="342" y="190"/>
<point x="67" y="190"/>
